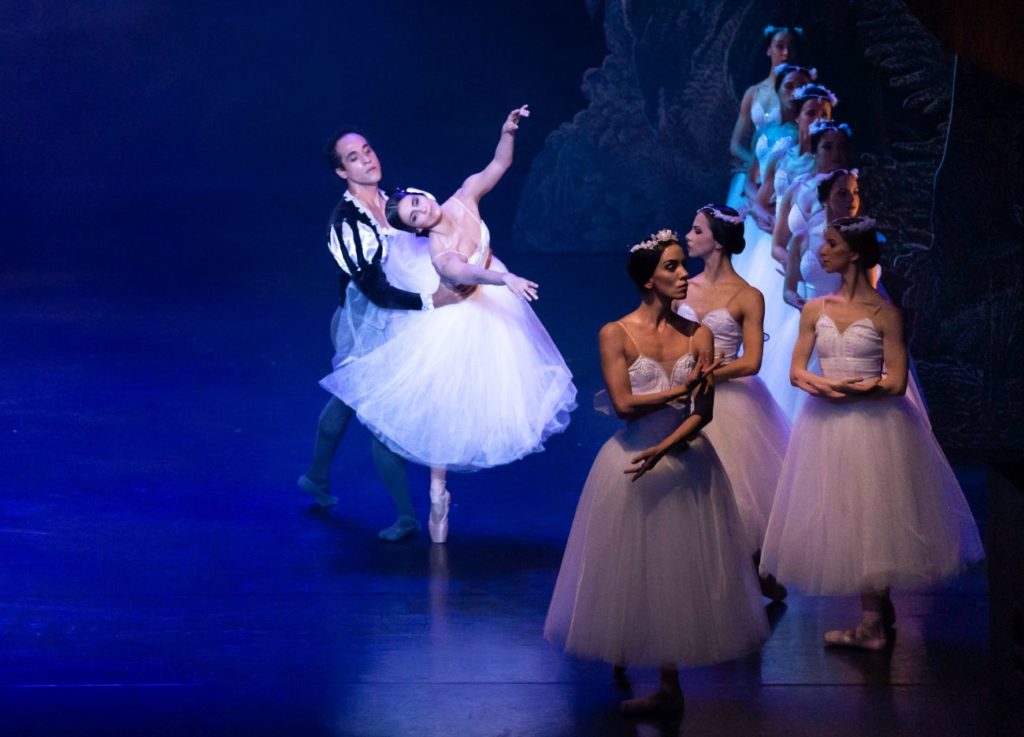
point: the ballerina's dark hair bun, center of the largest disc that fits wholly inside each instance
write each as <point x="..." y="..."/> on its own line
<point x="862" y="236"/>
<point x="726" y="227"/>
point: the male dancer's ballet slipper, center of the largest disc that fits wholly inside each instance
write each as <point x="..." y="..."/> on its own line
<point x="402" y="528"/>
<point x="857" y="638"/>
<point x="320" y="492"/>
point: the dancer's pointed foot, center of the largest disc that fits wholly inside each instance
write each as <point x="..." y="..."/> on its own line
<point x="438" y="520"/>
<point x="320" y="492"/>
<point x="400" y="529"/>
<point x="860" y="637"/>
<point x="772" y="589"/>
<point x="662" y="701"/>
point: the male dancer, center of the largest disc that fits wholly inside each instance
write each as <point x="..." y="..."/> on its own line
<point x="359" y="238"/>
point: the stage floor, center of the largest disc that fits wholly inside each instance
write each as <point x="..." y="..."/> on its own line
<point x="164" y="576"/>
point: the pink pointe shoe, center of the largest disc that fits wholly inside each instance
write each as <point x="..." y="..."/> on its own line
<point x="437" y="523"/>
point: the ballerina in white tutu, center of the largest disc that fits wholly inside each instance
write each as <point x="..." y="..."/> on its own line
<point x="867" y="502"/>
<point x="657" y="567"/>
<point x="750" y="431"/>
<point x="829" y="151"/>
<point x="760" y="106"/>
<point x="477" y="384"/>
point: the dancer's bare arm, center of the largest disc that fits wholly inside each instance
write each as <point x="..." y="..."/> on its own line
<point x="479" y="184"/>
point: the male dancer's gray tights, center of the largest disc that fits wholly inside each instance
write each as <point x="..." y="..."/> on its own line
<point x="330" y="428"/>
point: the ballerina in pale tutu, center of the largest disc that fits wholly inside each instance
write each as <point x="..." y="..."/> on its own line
<point x="867" y="502"/>
<point x="477" y="384"/>
<point x="750" y="431"/>
<point x="791" y="159"/>
<point x="776" y="135"/>
<point x="657" y="567"/>
<point x="760" y="105"/>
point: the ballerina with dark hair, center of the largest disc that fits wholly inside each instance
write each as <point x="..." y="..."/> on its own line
<point x="750" y="431"/>
<point x="478" y="384"/>
<point x="760" y="104"/>
<point x="657" y="567"/>
<point x="867" y="502"/>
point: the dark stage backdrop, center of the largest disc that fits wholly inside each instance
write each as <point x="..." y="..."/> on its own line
<point x="174" y="147"/>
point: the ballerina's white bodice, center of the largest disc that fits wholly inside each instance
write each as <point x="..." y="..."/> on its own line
<point x="856" y="352"/>
<point x="451" y="242"/>
<point x="761" y="116"/>
<point x="791" y="166"/>
<point x="727" y="331"/>
<point x="647" y="376"/>
<point x="773" y="138"/>
<point x="816" y="280"/>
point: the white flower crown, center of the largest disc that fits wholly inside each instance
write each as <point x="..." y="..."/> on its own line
<point x="819" y="178"/>
<point x="662" y="236"/>
<point x="819" y="125"/>
<point x="719" y="215"/>
<point x="860" y="225"/>
<point x="814" y="90"/>
<point x="811" y="72"/>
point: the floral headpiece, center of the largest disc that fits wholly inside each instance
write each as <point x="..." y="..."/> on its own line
<point x="662" y="236"/>
<point x="719" y="215"/>
<point x="782" y="69"/>
<point x="815" y="92"/>
<point x="820" y="126"/>
<point x="425" y="193"/>
<point x="819" y="178"/>
<point x="855" y="224"/>
<point x="770" y="31"/>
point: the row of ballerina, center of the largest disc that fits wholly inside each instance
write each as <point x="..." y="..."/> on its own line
<point x="856" y="497"/>
<point x="707" y="487"/>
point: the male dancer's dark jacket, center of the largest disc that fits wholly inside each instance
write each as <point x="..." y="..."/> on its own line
<point x="359" y="246"/>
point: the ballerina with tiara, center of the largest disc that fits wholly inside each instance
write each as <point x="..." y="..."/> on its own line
<point x="867" y="502"/>
<point x="760" y="104"/>
<point x="750" y="432"/>
<point x="657" y="567"/>
<point x="829" y="150"/>
<point x="477" y="384"/>
<point x="776" y="134"/>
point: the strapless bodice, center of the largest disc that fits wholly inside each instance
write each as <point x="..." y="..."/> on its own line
<point x="856" y="352"/>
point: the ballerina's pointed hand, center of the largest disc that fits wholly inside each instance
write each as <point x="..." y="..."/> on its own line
<point x="645" y="461"/>
<point x="522" y="288"/>
<point x="512" y="121"/>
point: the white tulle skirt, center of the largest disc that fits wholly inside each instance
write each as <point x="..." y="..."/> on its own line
<point x="778" y="358"/>
<point x="750" y="434"/>
<point x="657" y="571"/>
<point x="866" y="501"/>
<point x="472" y="385"/>
<point x="781" y="322"/>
